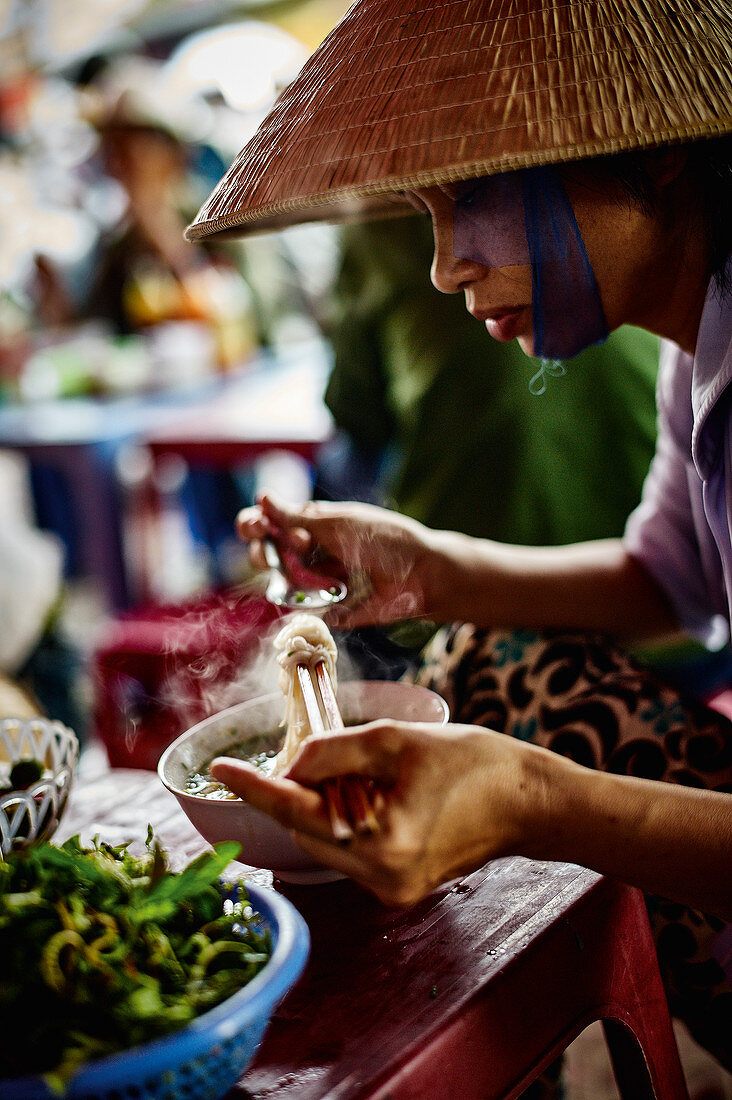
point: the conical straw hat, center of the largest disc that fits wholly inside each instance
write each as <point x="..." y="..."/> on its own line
<point x="408" y="93"/>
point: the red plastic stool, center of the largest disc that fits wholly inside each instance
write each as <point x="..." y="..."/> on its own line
<point x="159" y="669"/>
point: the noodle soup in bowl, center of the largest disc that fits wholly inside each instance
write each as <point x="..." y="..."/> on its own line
<point x="252" y="731"/>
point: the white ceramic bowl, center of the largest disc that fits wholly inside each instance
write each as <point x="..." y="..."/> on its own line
<point x="31" y="815"/>
<point x="264" y="842"/>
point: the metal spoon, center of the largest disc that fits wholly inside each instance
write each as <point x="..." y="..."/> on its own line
<point x="286" y="593"/>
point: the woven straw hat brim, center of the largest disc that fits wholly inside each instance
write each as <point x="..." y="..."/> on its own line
<point x="407" y="93"/>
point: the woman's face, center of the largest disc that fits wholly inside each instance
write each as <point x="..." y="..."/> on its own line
<point x="500" y="297"/>
<point x="616" y="236"/>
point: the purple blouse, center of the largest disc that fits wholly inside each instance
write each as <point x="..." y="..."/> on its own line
<point x="681" y="530"/>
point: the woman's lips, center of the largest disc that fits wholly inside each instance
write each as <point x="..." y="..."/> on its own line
<point x="505" y="326"/>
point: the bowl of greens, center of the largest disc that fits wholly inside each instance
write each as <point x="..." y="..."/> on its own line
<point x="123" y="978"/>
<point x="37" y="763"/>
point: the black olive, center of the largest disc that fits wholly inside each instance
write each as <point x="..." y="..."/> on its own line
<point x="24" y="773"/>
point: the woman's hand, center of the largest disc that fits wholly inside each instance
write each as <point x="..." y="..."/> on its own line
<point x="449" y="798"/>
<point x="381" y="554"/>
<point x="446" y="800"/>
<point x="399" y="569"/>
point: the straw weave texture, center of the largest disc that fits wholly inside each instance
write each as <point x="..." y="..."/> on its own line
<point x="407" y="93"/>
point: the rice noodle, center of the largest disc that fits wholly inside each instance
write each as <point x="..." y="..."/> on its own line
<point x="303" y="640"/>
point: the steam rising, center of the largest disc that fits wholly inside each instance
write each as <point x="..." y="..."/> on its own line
<point x="221" y="651"/>
<point x="234" y="660"/>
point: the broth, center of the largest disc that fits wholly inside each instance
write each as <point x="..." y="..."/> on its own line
<point x="259" y="750"/>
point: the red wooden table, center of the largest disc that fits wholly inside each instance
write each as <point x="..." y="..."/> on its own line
<point x="470" y="994"/>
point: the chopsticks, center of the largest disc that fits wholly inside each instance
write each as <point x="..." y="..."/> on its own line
<point x="346" y="798"/>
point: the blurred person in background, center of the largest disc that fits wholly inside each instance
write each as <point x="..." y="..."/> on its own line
<point x="145" y="272"/>
<point x="144" y="262"/>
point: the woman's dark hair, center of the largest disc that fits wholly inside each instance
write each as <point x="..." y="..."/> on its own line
<point x="711" y="162"/>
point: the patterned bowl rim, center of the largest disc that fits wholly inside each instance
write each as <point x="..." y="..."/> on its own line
<point x="63" y="742"/>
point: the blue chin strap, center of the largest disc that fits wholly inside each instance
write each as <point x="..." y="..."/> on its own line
<point x="566" y="307"/>
<point x="567" y="312"/>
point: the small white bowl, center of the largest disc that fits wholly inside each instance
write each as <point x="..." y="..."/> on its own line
<point x="264" y="842"/>
<point x="31" y="815"/>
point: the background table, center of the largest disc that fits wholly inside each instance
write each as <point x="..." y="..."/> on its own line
<point x="72" y="446"/>
<point x="273" y="402"/>
<point x="469" y="994"/>
<point x="276" y="407"/>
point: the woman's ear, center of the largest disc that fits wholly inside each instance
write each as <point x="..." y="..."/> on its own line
<point x="665" y="165"/>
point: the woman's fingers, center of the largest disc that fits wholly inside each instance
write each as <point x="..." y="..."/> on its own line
<point x="301" y="529"/>
<point x="302" y="810"/>
<point x="293" y="805"/>
<point x="352" y="859"/>
<point x="310" y="539"/>
<point x="369" y="750"/>
<point x="377" y="551"/>
<point x="369" y="861"/>
<point x="444" y="800"/>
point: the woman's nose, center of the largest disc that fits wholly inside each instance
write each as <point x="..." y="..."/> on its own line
<point x="451" y="273"/>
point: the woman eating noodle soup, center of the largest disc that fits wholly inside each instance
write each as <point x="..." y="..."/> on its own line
<point x="577" y="178"/>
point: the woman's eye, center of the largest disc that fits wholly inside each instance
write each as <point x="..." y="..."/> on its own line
<point x="467" y="193"/>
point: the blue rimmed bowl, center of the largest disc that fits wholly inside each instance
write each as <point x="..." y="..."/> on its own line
<point x="205" y="1059"/>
